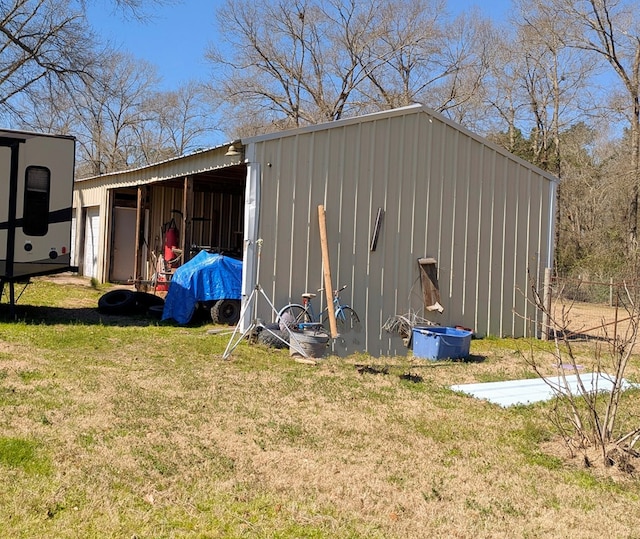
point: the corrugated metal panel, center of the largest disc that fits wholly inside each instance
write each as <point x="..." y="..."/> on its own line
<point x="187" y="165"/>
<point x="484" y="215"/>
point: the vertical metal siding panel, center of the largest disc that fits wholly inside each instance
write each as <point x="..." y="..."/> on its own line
<point x="410" y="139"/>
<point x="534" y="270"/>
<point x="374" y="192"/>
<point x="472" y="173"/>
<point x="425" y="180"/>
<point x="535" y="185"/>
<point x="316" y="171"/>
<point x="348" y="261"/>
<point x="286" y="256"/>
<point x="494" y="302"/>
<point x="546" y="226"/>
<point x="459" y="226"/>
<point x="345" y="223"/>
<point x="339" y="208"/>
<point x="511" y="248"/>
<point x="414" y="211"/>
<point x="268" y="154"/>
<point x="503" y="292"/>
<point x="381" y="195"/>
<point x="484" y="253"/>
<point x="390" y="186"/>
<point x="419" y="214"/>
<point x="448" y="170"/>
<point x="432" y="219"/>
<point x="521" y="253"/>
<point x="319" y="171"/>
<point x="508" y="245"/>
<point x="363" y="299"/>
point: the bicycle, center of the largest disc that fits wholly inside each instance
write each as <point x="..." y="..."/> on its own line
<point x="299" y="316"/>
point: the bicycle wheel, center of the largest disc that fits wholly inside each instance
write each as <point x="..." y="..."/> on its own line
<point x="347" y="321"/>
<point x="291" y="315"/>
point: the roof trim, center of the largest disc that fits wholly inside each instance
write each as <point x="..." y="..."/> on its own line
<point x="416" y="108"/>
<point x="13" y="133"/>
<point x="158" y="164"/>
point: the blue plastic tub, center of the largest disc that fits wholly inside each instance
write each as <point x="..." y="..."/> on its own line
<point x="435" y="342"/>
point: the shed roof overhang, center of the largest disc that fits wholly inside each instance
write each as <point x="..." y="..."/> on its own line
<point x="214" y="169"/>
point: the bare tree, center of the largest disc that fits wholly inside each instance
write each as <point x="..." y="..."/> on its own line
<point x="587" y="412"/>
<point x="108" y="111"/>
<point x="41" y="42"/>
<point x="465" y="61"/>
<point x="300" y="62"/>
<point x="609" y="30"/>
<point x="176" y="121"/>
<point x="555" y="79"/>
<point x="286" y="67"/>
<point x="403" y="57"/>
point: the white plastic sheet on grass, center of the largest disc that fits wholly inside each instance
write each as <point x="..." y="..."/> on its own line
<point x="532" y="390"/>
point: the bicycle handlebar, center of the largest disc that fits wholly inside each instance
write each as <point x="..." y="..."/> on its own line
<point x="335" y="292"/>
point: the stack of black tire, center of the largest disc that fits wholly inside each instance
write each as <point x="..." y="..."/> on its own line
<point x="122" y="302"/>
<point x="273" y="335"/>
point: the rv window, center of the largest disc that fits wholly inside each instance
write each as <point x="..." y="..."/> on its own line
<point x="36" y="201"/>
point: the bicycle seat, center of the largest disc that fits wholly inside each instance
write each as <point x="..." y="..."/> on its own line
<point x="309" y="295"/>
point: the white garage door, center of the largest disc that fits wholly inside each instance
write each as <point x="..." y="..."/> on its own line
<point x="91" y="241"/>
<point x="72" y="246"/>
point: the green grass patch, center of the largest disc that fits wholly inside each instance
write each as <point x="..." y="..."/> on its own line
<point x="24" y="454"/>
<point x="123" y="427"/>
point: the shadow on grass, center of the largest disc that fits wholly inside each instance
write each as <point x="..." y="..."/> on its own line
<point x="579" y="337"/>
<point x="41" y="315"/>
<point x="412" y="376"/>
<point x="471" y="358"/>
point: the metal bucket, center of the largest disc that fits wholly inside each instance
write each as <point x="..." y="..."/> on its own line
<point x="312" y="343"/>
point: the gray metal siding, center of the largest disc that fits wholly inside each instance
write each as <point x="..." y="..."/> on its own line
<point x="484" y="215"/>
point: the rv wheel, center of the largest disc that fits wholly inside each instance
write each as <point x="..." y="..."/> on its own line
<point x="226" y="311"/>
<point x="117" y="302"/>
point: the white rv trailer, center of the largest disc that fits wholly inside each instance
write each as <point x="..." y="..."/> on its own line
<point x="36" y="192"/>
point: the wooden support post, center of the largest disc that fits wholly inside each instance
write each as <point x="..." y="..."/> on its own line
<point x="187" y="215"/>
<point x="137" y="262"/>
<point x="331" y="311"/>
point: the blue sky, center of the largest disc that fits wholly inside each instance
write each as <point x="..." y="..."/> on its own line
<point x="175" y="38"/>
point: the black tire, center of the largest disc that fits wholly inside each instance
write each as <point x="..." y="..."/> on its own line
<point x="292" y="315"/>
<point x="155" y="311"/>
<point x="226" y="311"/>
<point x="347" y="321"/>
<point x="145" y="301"/>
<point x="117" y="302"/>
<point x="270" y="335"/>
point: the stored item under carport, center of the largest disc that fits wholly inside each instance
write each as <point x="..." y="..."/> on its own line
<point x="436" y="342"/>
<point x="206" y="279"/>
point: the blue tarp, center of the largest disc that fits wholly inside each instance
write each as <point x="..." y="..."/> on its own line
<point x="206" y="277"/>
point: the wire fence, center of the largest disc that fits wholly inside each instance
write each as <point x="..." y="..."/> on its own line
<point x="590" y="309"/>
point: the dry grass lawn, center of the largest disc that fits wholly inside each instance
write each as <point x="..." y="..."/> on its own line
<point x="129" y="428"/>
